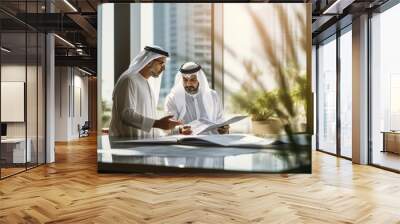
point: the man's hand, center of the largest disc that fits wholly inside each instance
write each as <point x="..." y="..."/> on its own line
<point x="185" y="130"/>
<point x="166" y="123"/>
<point x="223" y="129"/>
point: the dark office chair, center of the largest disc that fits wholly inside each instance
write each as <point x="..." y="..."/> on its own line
<point x="84" y="130"/>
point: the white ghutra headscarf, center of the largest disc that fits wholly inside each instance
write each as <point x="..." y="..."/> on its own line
<point x="147" y="55"/>
<point x="178" y="91"/>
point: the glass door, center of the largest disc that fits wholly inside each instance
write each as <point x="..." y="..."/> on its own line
<point x="327" y="128"/>
<point x="346" y="93"/>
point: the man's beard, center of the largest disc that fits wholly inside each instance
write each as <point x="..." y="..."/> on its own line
<point x="154" y="74"/>
<point x="191" y="89"/>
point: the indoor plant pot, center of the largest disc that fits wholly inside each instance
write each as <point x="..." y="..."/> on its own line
<point x="271" y="126"/>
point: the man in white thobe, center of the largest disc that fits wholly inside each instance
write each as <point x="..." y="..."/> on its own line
<point x="192" y="99"/>
<point x="134" y="98"/>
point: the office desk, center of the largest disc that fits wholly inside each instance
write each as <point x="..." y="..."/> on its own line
<point x="185" y="158"/>
<point x="391" y="141"/>
<point x="13" y="150"/>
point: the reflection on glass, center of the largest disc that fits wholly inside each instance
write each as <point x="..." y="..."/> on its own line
<point x="185" y="156"/>
<point x="327" y="96"/>
<point x="385" y="88"/>
<point x="346" y="94"/>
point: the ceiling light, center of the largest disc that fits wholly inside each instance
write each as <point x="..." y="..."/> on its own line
<point x="70" y="5"/>
<point x="84" y="71"/>
<point x="5" y="50"/>
<point x="65" y="41"/>
<point x="326" y="11"/>
<point x="337" y="7"/>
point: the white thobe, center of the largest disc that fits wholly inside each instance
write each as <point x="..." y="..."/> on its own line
<point x="134" y="109"/>
<point x="196" y="109"/>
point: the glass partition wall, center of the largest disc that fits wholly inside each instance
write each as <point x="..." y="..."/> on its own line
<point x="345" y="62"/>
<point x="334" y="94"/>
<point x="22" y="77"/>
<point x="385" y="89"/>
<point x="384" y="86"/>
<point x="327" y="95"/>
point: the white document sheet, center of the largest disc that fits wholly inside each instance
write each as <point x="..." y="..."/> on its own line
<point x="202" y="126"/>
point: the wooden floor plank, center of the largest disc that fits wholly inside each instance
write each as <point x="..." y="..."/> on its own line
<point x="71" y="191"/>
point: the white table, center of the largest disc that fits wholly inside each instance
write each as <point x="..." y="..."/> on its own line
<point x="18" y="149"/>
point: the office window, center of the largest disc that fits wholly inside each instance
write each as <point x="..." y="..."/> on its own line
<point x="327" y="95"/>
<point x="346" y="93"/>
<point x="251" y="73"/>
<point x="183" y="41"/>
<point x="169" y="25"/>
<point x="385" y="88"/>
<point x="106" y="68"/>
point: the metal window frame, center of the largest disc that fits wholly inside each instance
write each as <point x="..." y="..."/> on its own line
<point x="340" y="31"/>
<point x="387" y="5"/>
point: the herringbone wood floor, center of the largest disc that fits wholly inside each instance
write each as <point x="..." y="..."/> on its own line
<point x="71" y="191"/>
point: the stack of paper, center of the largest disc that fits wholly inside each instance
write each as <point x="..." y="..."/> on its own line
<point x="203" y="126"/>
<point x="231" y="140"/>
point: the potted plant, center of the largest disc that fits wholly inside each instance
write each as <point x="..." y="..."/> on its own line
<point x="259" y="105"/>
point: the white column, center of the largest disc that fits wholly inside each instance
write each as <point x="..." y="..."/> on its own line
<point x="99" y="66"/>
<point x="360" y="90"/>
<point x="50" y="99"/>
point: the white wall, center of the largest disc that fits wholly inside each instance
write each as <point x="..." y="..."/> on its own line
<point x="79" y="117"/>
<point x="61" y="105"/>
<point x="16" y="73"/>
<point x="70" y="83"/>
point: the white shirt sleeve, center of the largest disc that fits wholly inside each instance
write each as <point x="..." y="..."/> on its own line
<point x="170" y="107"/>
<point x="127" y="107"/>
<point x="219" y="108"/>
